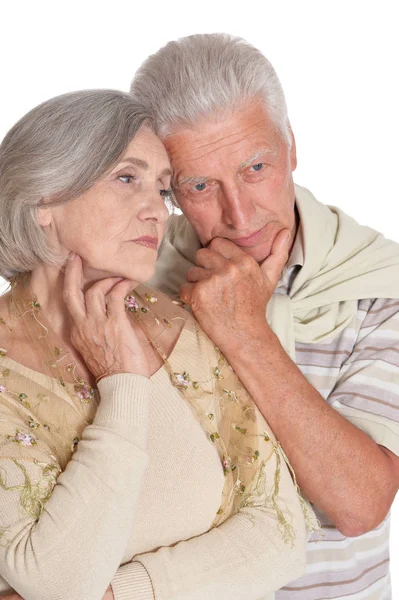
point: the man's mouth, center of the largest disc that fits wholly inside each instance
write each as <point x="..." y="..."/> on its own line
<point x="251" y="239"/>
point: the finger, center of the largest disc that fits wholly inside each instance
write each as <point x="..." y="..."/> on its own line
<point x="198" y="274"/>
<point x="73" y="288"/>
<point x="209" y="259"/>
<point x="226" y="248"/>
<point x="186" y="290"/>
<point x="95" y="296"/>
<point x="272" y="267"/>
<point x="115" y="299"/>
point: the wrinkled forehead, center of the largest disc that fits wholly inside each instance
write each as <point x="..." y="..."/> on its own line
<point x="236" y="140"/>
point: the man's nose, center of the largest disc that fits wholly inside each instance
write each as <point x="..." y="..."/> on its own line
<point x="238" y="207"/>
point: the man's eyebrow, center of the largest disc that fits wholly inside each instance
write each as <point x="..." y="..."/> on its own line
<point x="196" y="180"/>
<point x="142" y="164"/>
<point x="257" y="154"/>
<point x="191" y="180"/>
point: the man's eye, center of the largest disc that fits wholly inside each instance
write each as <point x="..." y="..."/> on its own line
<point x="200" y="187"/>
<point x="258" y="167"/>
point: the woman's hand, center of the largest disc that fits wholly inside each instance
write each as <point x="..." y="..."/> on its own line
<point x="101" y="331"/>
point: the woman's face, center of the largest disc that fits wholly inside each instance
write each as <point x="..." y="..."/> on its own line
<point x="117" y="225"/>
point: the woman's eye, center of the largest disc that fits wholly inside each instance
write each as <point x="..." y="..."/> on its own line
<point x="258" y="167"/>
<point x="200" y="187"/>
<point x="126" y="178"/>
<point x="166" y="193"/>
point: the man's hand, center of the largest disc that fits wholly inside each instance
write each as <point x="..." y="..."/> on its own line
<point x="228" y="291"/>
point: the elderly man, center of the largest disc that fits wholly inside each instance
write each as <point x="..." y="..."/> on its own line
<point x="303" y="301"/>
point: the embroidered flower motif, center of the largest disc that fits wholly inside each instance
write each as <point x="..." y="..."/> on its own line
<point x="217" y="373"/>
<point x="181" y="380"/>
<point x="3" y="389"/>
<point x="214" y="436"/>
<point x="84" y="391"/>
<point x="33" y="424"/>
<point x="3" y="351"/>
<point x="131" y="303"/>
<point x="26" y="439"/>
<point x="151" y="299"/>
<point x="230" y="394"/>
<point x="21" y="398"/>
<point x="225" y="465"/>
<point x="242" y="430"/>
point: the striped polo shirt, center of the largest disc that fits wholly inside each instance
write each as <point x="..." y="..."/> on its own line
<point x="358" y="375"/>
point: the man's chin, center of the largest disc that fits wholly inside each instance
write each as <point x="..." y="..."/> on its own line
<point x="260" y="252"/>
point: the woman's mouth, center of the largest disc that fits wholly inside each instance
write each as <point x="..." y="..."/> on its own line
<point x="147" y="242"/>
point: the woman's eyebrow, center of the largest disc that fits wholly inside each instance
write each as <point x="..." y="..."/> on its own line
<point x="142" y="164"/>
<point x="136" y="161"/>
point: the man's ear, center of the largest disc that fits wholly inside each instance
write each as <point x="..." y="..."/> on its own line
<point x="44" y="216"/>
<point x="293" y="151"/>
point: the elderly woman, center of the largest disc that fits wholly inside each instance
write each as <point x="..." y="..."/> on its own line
<point x="133" y="462"/>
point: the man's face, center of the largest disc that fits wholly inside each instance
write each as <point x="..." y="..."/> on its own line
<point x="233" y="179"/>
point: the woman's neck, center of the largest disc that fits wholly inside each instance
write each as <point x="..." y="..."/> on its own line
<point x="47" y="285"/>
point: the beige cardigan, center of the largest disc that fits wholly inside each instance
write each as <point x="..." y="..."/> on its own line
<point x="144" y="477"/>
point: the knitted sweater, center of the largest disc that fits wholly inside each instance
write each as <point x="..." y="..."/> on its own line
<point x="125" y="490"/>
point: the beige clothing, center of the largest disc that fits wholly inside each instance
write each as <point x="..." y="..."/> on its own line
<point x="143" y="478"/>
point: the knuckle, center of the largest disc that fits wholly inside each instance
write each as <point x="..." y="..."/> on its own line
<point x="247" y="262"/>
<point x="233" y="269"/>
<point x="216" y="243"/>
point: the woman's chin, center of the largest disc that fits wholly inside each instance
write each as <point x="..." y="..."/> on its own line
<point x="136" y="274"/>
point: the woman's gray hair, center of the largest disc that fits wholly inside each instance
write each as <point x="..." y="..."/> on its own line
<point x="54" y="154"/>
<point x="205" y="74"/>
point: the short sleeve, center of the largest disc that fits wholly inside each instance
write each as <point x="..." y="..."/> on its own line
<point x="367" y="389"/>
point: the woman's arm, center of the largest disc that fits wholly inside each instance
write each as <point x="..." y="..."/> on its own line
<point x="246" y="557"/>
<point x="65" y="536"/>
<point x="71" y="545"/>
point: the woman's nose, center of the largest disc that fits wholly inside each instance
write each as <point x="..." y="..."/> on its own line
<point x="154" y="208"/>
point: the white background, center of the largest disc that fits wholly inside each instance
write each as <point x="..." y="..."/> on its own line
<point x="337" y="60"/>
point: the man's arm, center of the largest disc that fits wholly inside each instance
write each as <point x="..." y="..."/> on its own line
<point x="338" y="467"/>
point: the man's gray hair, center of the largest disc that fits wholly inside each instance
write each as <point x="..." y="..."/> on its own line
<point x="52" y="155"/>
<point x="205" y="74"/>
